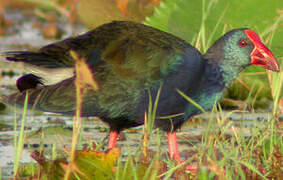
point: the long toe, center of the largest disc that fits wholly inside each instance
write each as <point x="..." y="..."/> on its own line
<point x="192" y="168"/>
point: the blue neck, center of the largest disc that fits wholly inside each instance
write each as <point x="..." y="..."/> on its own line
<point x="210" y="91"/>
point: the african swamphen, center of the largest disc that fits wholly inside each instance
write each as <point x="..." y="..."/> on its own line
<point x="130" y="61"/>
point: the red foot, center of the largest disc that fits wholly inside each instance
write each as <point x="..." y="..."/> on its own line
<point x="174" y="153"/>
<point x="192" y="168"/>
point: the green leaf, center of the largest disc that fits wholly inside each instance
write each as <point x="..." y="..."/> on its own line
<point x="184" y="18"/>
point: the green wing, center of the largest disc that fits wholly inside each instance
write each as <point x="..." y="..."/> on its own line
<point x="131" y="49"/>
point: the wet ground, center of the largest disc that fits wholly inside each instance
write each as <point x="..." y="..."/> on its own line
<point x="23" y="35"/>
<point x="57" y="132"/>
<point x="58" y="129"/>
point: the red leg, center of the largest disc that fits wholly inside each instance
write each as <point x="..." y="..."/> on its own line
<point x="174" y="152"/>
<point x="112" y="139"/>
<point x="173" y="146"/>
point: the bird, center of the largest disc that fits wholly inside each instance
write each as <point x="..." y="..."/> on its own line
<point x="133" y="63"/>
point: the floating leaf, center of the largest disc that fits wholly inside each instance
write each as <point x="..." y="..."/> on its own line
<point x="97" y="165"/>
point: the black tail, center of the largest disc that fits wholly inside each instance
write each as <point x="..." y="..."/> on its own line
<point x="34" y="58"/>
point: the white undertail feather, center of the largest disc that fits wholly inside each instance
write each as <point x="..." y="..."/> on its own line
<point x="50" y="76"/>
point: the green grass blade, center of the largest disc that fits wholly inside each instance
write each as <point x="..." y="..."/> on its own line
<point x="251" y="167"/>
<point x="190" y="100"/>
<point x="20" y="140"/>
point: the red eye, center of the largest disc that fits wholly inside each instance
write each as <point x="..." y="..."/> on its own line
<point x="243" y="43"/>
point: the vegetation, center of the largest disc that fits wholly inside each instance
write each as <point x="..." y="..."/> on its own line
<point x="219" y="154"/>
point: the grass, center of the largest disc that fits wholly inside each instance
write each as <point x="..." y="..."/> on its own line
<point x="19" y="140"/>
<point x="83" y="80"/>
<point x="149" y="118"/>
<point x="237" y="156"/>
<point x="219" y="155"/>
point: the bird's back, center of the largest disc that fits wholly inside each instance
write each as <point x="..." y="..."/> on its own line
<point x="127" y="60"/>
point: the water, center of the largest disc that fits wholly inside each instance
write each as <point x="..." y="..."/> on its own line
<point x="57" y="129"/>
<point x="23" y="36"/>
<point x="57" y="132"/>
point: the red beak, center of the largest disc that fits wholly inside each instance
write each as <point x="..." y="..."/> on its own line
<point x="261" y="55"/>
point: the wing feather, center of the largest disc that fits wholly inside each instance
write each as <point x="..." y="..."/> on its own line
<point x="126" y="59"/>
